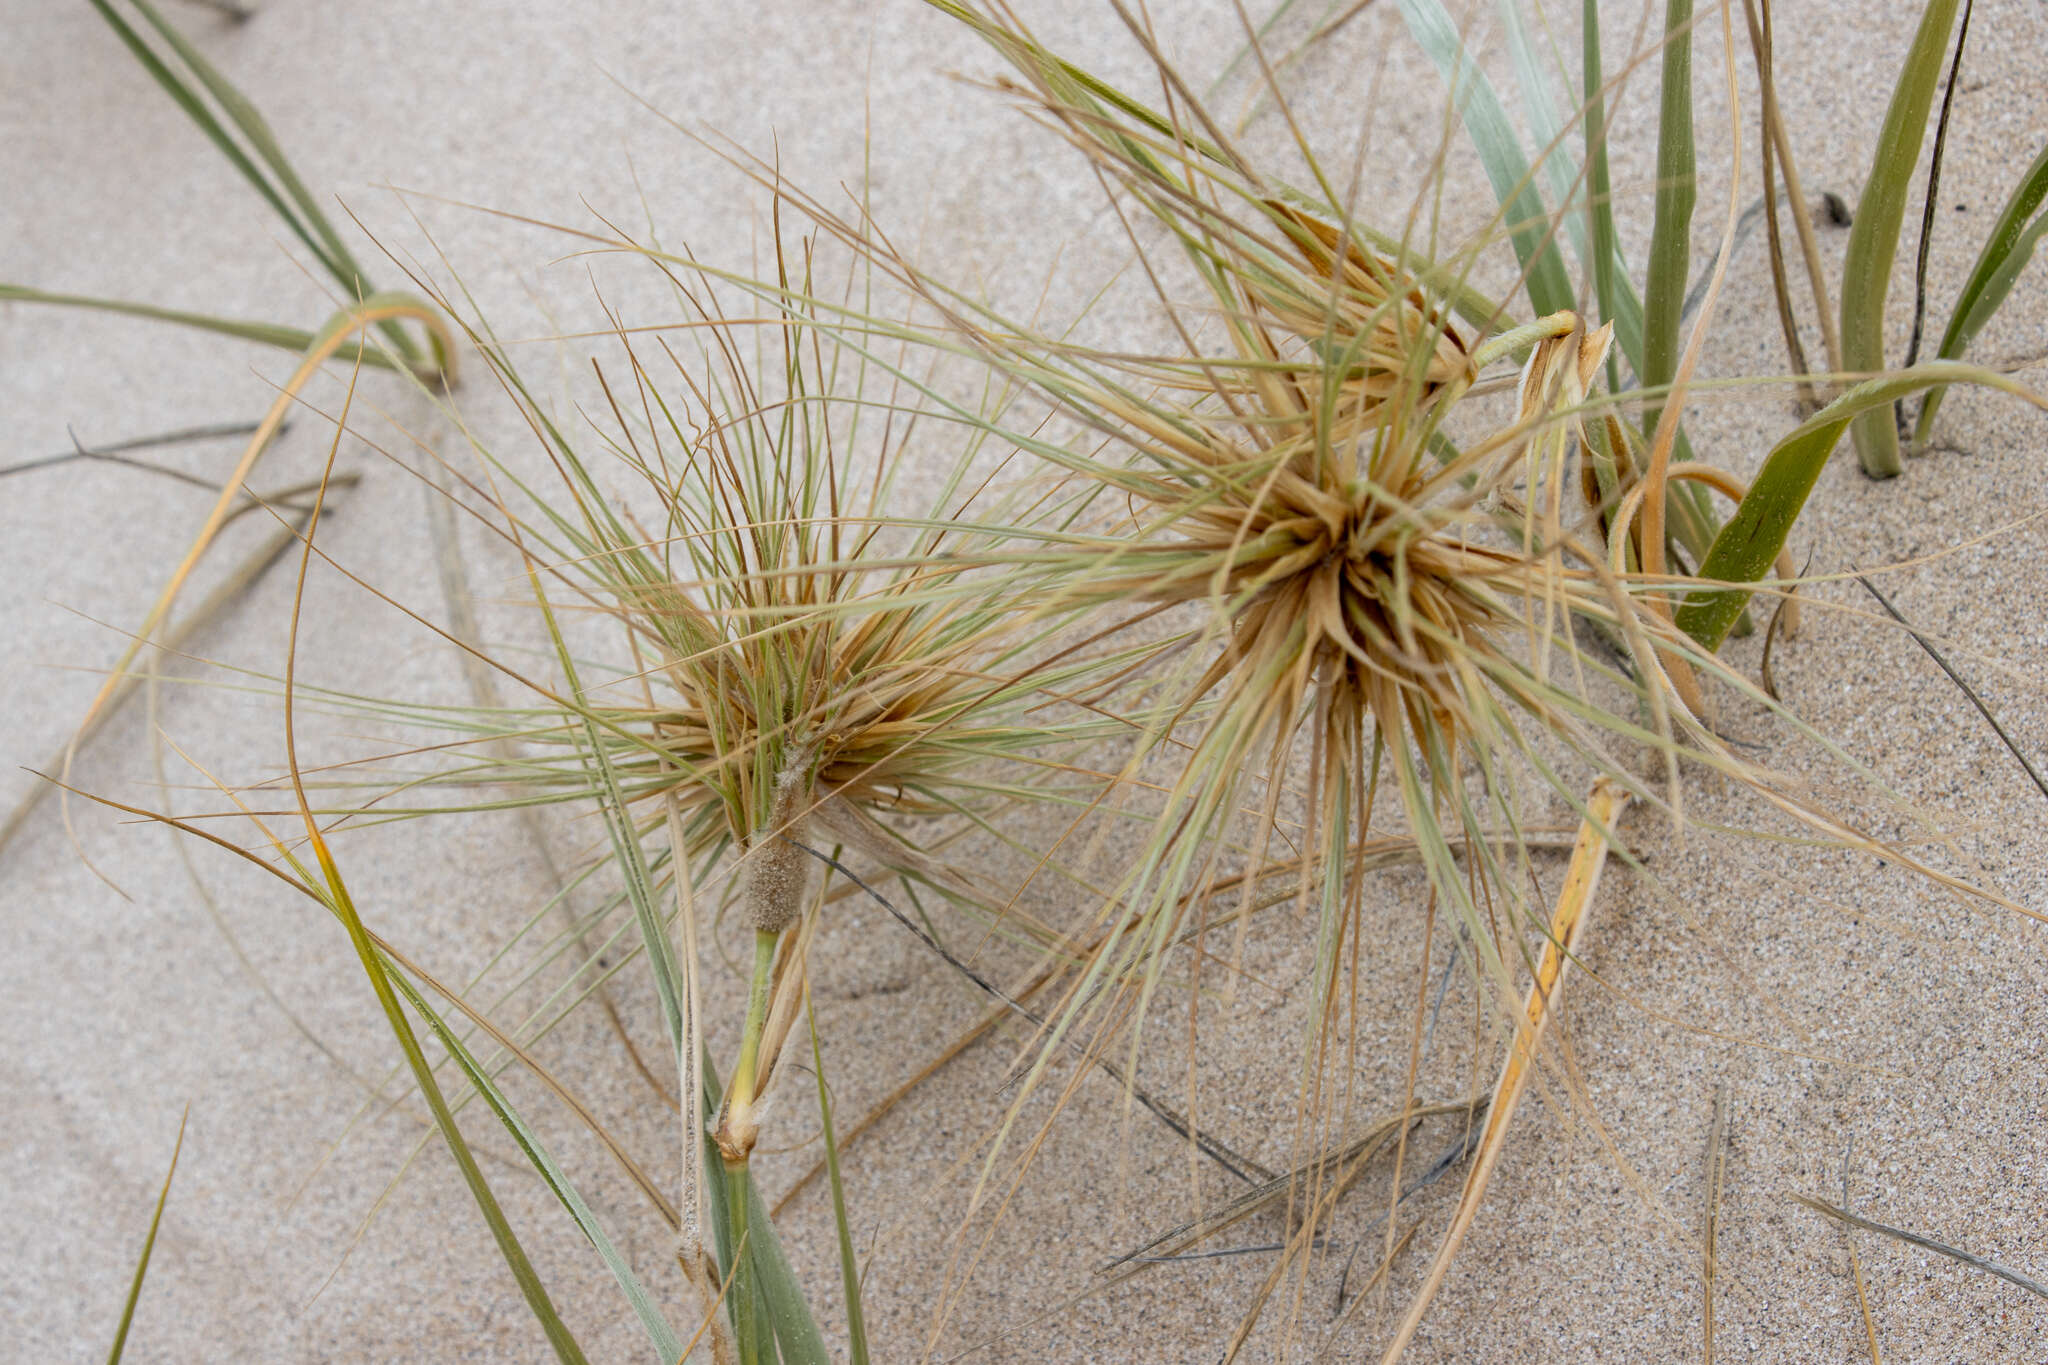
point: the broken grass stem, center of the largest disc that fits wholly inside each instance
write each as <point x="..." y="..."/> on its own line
<point x="1581" y="880"/>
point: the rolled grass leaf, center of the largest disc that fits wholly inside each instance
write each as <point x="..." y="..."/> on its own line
<point x="148" y="1247"/>
<point x="2007" y="249"/>
<point x="1874" y="235"/>
<point x="1750" y="542"/>
<point x="1600" y="188"/>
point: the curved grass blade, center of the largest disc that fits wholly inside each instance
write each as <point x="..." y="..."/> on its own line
<point x="333" y="891"/>
<point x="327" y="343"/>
<point x="1874" y="235"/>
<point x="148" y="1246"/>
<point x="2007" y="249"/>
<point x="1750" y="542"/>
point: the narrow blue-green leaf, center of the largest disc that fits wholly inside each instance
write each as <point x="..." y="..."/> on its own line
<point x="1500" y="152"/>
<point x="1600" y="194"/>
<point x="1546" y="128"/>
<point x="1874" y="236"/>
<point x="1671" y="226"/>
<point x="2007" y="249"/>
<point x="849" y="1264"/>
<point x="1749" y="544"/>
<point x="297" y="340"/>
<point x="148" y="1247"/>
<point x="781" y="1295"/>
<point x="381" y="977"/>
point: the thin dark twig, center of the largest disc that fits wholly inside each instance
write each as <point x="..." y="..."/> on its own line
<point x="112" y="454"/>
<point x="1990" y="1267"/>
<point x="1461" y="1147"/>
<point x="1957" y="678"/>
<point x="1321" y="1244"/>
<point x="1250" y="1172"/>
<point x="1948" y="100"/>
<point x="1778" y="620"/>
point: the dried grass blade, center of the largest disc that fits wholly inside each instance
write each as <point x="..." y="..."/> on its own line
<point x="1581" y="881"/>
<point x="174" y="639"/>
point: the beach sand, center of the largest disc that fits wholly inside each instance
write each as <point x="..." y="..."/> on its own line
<point x="1857" y="1020"/>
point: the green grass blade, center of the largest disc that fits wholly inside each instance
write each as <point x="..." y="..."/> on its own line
<point x="1749" y="543"/>
<point x="1606" y="246"/>
<point x="196" y="110"/>
<point x="783" y="1320"/>
<point x="849" y="1264"/>
<point x="148" y="1246"/>
<point x="1671" y="227"/>
<point x="294" y="339"/>
<point x="779" y="1294"/>
<point x="666" y="1343"/>
<point x="1546" y="127"/>
<point x="253" y="127"/>
<point x="381" y="980"/>
<point x="2006" y="251"/>
<point x="302" y="213"/>
<point x="1500" y="152"/>
<point x="1874" y="236"/>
